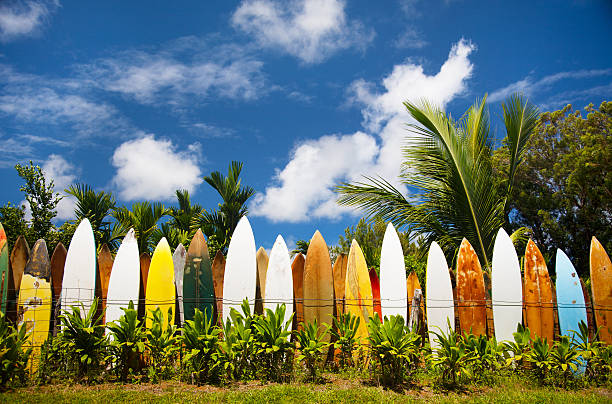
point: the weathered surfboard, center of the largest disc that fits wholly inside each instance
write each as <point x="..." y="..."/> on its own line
<point x="393" y="294"/>
<point x="439" y="301"/>
<point x="58" y="261"/>
<point x="124" y="282"/>
<point x="506" y="288"/>
<point x="262" y="268"/>
<point x="4" y="271"/>
<point x="339" y="272"/>
<point x="375" y="284"/>
<point x="18" y="260"/>
<point x="601" y="287"/>
<point x="145" y="264"/>
<point x="34" y="304"/>
<point x="318" y="283"/>
<point x="105" y="266"/>
<point x="297" y="271"/>
<point x="218" y="271"/>
<point x="178" y="261"/>
<point x="160" y="292"/>
<point x="240" y="278"/>
<point x="358" y="290"/>
<point x="538" y="296"/>
<point x="198" y="285"/>
<point x="570" y="300"/>
<point x="279" y="282"/>
<point x="471" y="297"/>
<point x="79" y="280"/>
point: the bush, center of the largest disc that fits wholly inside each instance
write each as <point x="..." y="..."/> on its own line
<point x="201" y="342"/>
<point x="452" y="358"/>
<point x="344" y="335"/>
<point x="13" y="356"/>
<point x="238" y="346"/>
<point x="161" y="346"/>
<point x="128" y="341"/>
<point x="311" y="346"/>
<point x="539" y="356"/>
<point x="274" y="350"/>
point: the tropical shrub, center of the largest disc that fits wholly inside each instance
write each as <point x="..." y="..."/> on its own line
<point x="539" y="356"/>
<point x="238" y="346"/>
<point x="487" y="354"/>
<point x="127" y="342"/>
<point x="162" y="346"/>
<point x="597" y="356"/>
<point x="451" y="358"/>
<point x="564" y="358"/>
<point x="517" y="349"/>
<point x="274" y="350"/>
<point x="13" y="356"/>
<point x="394" y="349"/>
<point x="201" y="341"/>
<point x="311" y="346"/>
<point x="344" y="335"/>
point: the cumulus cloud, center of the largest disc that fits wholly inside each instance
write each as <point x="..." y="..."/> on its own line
<point x="63" y="174"/>
<point x="304" y="187"/>
<point x="22" y="18"/>
<point x="311" y="30"/>
<point x="149" y="168"/>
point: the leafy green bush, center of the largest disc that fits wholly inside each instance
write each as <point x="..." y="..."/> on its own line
<point x="394" y="349"/>
<point x="517" y="349"/>
<point x="487" y="355"/>
<point x="238" y="346"/>
<point x="274" y="350"/>
<point x="597" y="356"/>
<point x="13" y="355"/>
<point x="162" y="346"/>
<point x="344" y="335"/>
<point x="452" y="358"/>
<point x="201" y="341"/>
<point x="311" y="346"/>
<point x="127" y="342"/>
<point x="539" y="356"/>
<point x="564" y="358"/>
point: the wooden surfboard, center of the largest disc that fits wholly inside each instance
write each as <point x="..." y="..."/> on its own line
<point x="297" y="271"/>
<point x="18" y="260"/>
<point x="240" y="278"/>
<point x="339" y="272"/>
<point x="570" y="299"/>
<point x="218" y="272"/>
<point x="393" y="294"/>
<point x="538" y="296"/>
<point x="375" y="284"/>
<point x="439" y="301"/>
<point x="471" y="297"/>
<point x="58" y="261"/>
<point x="506" y="288"/>
<point x="79" y="280"/>
<point x="105" y="266"/>
<point x="279" y="281"/>
<point x="145" y="264"/>
<point x="262" y="268"/>
<point x="318" y="283"/>
<point x="4" y="271"/>
<point x="412" y="284"/>
<point x="178" y="261"/>
<point x="358" y="290"/>
<point x="160" y="290"/>
<point x="124" y="282"/>
<point x="34" y="304"/>
<point x="601" y="287"/>
<point x="198" y="285"/>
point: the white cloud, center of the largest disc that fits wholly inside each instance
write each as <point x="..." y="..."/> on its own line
<point x="410" y="39"/>
<point x="22" y="18"/>
<point x="311" y="30"/>
<point x="63" y="174"/>
<point x="153" y="169"/>
<point x="304" y="187"/>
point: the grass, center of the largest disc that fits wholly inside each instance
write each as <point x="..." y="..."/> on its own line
<point x="337" y="389"/>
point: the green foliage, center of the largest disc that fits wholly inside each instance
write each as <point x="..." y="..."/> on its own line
<point x="238" y="347"/>
<point x="596" y="355"/>
<point x="40" y="196"/>
<point x="301" y="247"/>
<point x="564" y="358"/>
<point x="311" y="346"/>
<point x="83" y="341"/>
<point x="143" y="218"/>
<point x="487" y="355"/>
<point x="539" y="356"/>
<point x="13" y="355"/>
<point x="395" y="350"/>
<point x="344" y="335"/>
<point x="448" y="169"/>
<point x="520" y="346"/>
<point x="274" y="350"/>
<point x="128" y="341"/>
<point x="162" y="346"/>
<point x="174" y="236"/>
<point x="13" y="220"/>
<point x="201" y="341"/>
<point x="452" y="358"/>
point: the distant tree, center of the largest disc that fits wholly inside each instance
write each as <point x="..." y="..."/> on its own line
<point x="182" y="225"/>
<point x="143" y="217"/>
<point x="40" y="195"/>
<point x="13" y="220"/>
<point x="173" y="235"/>
<point x="301" y="247"/>
<point x="563" y="190"/>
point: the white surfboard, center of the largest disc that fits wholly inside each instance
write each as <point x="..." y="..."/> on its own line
<point x="178" y="259"/>
<point x="240" y="269"/>
<point x="506" y="288"/>
<point x="439" y="302"/>
<point x="124" y="282"/>
<point x="279" y="279"/>
<point x="79" y="282"/>
<point x="393" y="292"/>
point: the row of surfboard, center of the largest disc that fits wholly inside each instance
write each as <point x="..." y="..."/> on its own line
<point x="309" y="286"/>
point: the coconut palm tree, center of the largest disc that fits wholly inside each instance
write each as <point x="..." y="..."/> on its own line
<point x="448" y="172"/>
<point x="143" y="218"/>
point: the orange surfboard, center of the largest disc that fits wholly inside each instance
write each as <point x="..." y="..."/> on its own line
<point x="145" y="263"/>
<point x="58" y="260"/>
<point x="218" y="272"/>
<point x="260" y="285"/>
<point x="375" y="282"/>
<point x="538" y="296"/>
<point x="601" y="287"/>
<point x="339" y="271"/>
<point x="297" y="270"/>
<point x="470" y="289"/>
<point x="17" y="261"/>
<point x="318" y="284"/>
<point x="105" y="266"/>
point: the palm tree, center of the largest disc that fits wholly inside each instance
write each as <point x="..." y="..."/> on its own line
<point x="143" y="218"/>
<point x="184" y="216"/>
<point x="96" y="206"/>
<point x="448" y="171"/>
<point x="221" y="223"/>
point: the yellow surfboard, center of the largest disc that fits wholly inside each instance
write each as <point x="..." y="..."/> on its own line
<point x="160" y="290"/>
<point x="358" y="291"/>
<point x="34" y="304"/>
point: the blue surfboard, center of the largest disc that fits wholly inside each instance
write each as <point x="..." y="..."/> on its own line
<point x="570" y="299"/>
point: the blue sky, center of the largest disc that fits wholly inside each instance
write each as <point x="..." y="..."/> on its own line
<point x="141" y="98"/>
